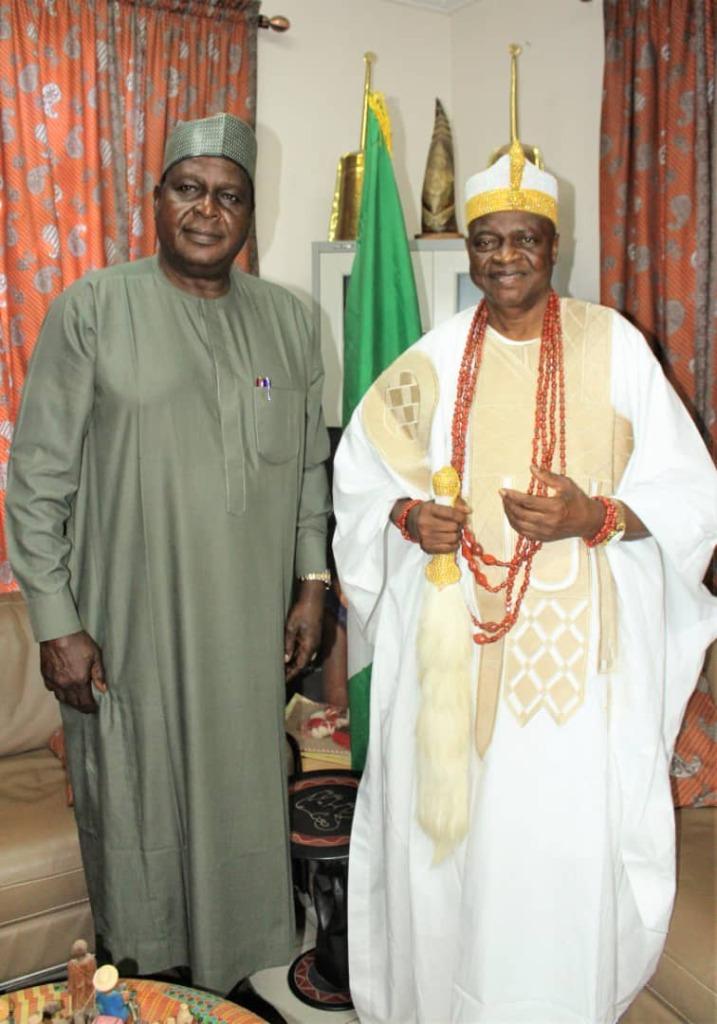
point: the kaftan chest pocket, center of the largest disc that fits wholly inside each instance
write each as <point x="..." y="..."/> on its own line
<point x="277" y="419"/>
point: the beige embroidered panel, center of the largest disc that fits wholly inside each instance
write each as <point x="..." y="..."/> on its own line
<point x="542" y="663"/>
<point x="397" y="414"/>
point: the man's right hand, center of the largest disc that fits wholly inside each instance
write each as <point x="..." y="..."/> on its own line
<point x="69" y="666"/>
<point x="437" y="528"/>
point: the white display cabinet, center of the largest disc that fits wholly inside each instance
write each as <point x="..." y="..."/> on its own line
<point x="444" y="287"/>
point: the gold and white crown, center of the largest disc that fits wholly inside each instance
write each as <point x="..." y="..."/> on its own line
<point x="515" y="179"/>
<point x="512" y="183"/>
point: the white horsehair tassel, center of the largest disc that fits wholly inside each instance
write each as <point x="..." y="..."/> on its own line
<point x="443" y="729"/>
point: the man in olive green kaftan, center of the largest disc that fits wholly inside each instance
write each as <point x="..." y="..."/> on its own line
<point x="166" y="486"/>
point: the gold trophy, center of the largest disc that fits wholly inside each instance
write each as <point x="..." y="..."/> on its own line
<point x="346" y="205"/>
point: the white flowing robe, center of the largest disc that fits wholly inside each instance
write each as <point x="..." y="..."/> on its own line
<point x="554" y="909"/>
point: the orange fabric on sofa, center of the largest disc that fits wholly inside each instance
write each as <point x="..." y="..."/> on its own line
<point x="694" y="764"/>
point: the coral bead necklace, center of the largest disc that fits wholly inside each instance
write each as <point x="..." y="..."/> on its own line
<point x="548" y="432"/>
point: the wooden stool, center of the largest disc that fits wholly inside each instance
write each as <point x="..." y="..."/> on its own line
<point x="321" y="808"/>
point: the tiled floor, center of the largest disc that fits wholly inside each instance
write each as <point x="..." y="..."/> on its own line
<point x="273" y="986"/>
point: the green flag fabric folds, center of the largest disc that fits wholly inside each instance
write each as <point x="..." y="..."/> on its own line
<point x="381" y="319"/>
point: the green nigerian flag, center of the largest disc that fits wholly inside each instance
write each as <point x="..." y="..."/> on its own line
<point x="381" y="319"/>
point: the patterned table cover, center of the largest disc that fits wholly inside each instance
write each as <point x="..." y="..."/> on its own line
<point x="157" y="1000"/>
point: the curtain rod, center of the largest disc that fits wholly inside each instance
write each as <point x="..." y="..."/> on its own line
<point x="278" y="23"/>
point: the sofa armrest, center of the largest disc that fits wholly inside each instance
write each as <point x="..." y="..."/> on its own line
<point x="30" y="713"/>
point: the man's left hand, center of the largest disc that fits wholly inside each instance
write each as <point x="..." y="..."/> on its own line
<point x="302" y="632"/>
<point x="566" y="510"/>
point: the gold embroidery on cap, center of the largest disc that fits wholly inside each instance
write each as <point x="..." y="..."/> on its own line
<point x="500" y="199"/>
<point x="517" y="163"/>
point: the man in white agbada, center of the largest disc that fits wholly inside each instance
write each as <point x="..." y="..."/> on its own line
<point x="512" y="855"/>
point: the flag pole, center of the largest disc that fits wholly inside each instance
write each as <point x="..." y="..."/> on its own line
<point x="369" y="58"/>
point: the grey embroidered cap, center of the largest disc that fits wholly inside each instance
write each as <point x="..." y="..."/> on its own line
<point x="219" y="135"/>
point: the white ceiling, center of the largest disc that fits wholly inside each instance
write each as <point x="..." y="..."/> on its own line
<point x="446" y="6"/>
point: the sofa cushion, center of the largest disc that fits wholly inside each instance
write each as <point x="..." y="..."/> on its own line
<point x="41" y="869"/>
<point x="694" y="763"/>
<point x="41" y="943"/>
<point x="29" y="712"/>
<point x="686" y="976"/>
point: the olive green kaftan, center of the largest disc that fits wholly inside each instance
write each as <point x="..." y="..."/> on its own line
<point x="161" y="500"/>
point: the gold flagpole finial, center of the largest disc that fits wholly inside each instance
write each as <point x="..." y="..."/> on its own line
<point x="369" y="59"/>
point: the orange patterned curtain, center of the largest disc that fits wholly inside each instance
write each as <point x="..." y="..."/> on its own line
<point x="658" y="172"/>
<point x="88" y="92"/>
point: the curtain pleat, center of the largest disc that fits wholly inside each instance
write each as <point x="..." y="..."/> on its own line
<point x="657" y="186"/>
<point x="658" y="227"/>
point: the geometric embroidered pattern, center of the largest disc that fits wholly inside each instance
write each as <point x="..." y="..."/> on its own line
<point x="403" y="400"/>
<point x="545" y="659"/>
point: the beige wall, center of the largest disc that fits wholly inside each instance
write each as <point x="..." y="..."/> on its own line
<point x="309" y="113"/>
<point x="560" y="75"/>
<point x="309" y="101"/>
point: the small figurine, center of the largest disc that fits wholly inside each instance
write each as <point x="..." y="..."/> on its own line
<point x="133" y="1004"/>
<point x="81" y="968"/>
<point x="111" y="1002"/>
<point x="184" y="1016"/>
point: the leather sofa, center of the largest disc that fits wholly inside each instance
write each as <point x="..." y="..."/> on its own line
<point x="43" y="898"/>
